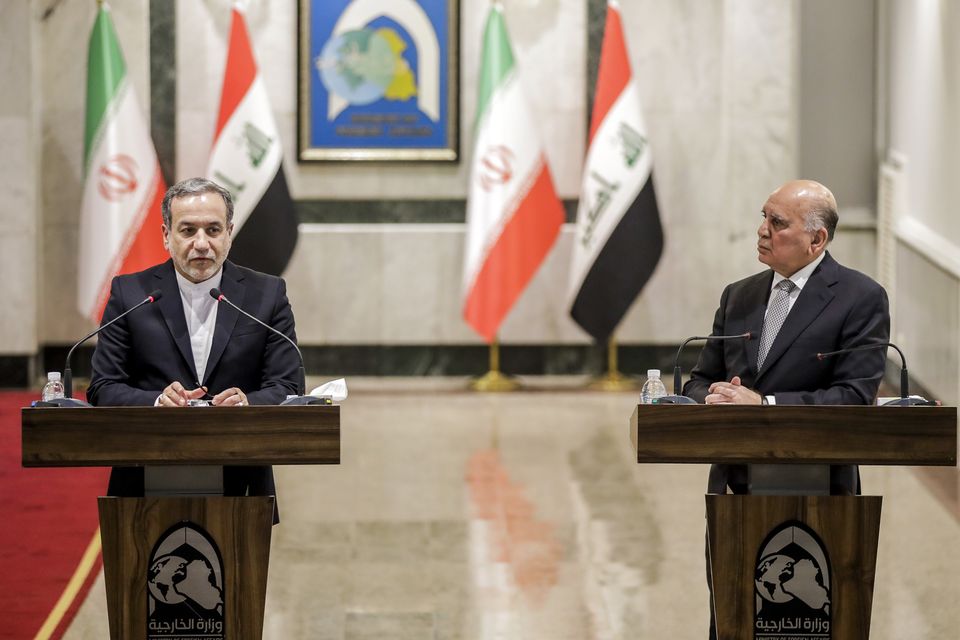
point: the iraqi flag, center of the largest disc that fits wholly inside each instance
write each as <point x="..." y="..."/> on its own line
<point x="120" y="214"/>
<point x="247" y="161"/>
<point x="618" y="237"/>
<point x="513" y="213"/>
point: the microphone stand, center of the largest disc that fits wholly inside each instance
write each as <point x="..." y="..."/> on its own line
<point x="301" y="397"/>
<point x="904" y="400"/>
<point x="68" y="400"/>
<point x="677" y="397"/>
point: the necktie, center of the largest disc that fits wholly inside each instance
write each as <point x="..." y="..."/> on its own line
<point x="779" y="309"/>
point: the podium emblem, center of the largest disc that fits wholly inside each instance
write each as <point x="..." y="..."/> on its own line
<point x="185" y="586"/>
<point x="792" y="585"/>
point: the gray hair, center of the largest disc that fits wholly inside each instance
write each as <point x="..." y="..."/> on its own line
<point x="194" y="187"/>
<point x="822" y="216"/>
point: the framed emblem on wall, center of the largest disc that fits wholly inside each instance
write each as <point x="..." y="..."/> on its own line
<point x="378" y="81"/>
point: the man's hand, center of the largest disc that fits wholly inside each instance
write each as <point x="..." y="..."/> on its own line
<point x="232" y="397"/>
<point x="732" y="393"/>
<point x="175" y="395"/>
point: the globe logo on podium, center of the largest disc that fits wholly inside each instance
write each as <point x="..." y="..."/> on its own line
<point x="792" y="585"/>
<point x="773" y="572"/>
<point x="163" y="578"/>
<point x="173" y="580"/>
<point x="185" y="598"/>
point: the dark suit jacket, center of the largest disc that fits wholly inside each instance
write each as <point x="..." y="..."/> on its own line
<point x="139" y="356"/>
<point x="837" y="308"/>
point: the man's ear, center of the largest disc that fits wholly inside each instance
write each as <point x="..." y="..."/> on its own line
<point x="819" y="239"/>
<point x="163" y="232"/>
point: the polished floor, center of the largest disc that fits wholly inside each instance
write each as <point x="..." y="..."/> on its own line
<point x="457" y="515"/>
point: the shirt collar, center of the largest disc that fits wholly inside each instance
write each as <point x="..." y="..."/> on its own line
<point x="198" y="290"/>
<point x="801" y="277"/>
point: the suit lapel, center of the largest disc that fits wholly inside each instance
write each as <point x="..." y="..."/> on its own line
<point x="756" y="300"/>
<point x="814" y="297"/>
<point x="231" y="285"/>
<point x="171" y="306"/>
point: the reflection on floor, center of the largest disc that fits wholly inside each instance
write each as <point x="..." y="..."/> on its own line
<point x="462" y="515"/>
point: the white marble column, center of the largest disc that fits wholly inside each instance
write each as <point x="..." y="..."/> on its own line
<point x="19" y="179"/>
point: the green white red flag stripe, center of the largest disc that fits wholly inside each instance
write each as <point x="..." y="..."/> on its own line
<point x="513" y="213"/>
<point x="247" y="159"/>
<point x="618" y="238"/>
<point x="120" y="213"/>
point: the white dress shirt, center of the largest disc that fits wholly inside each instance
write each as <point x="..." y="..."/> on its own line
<point x="800" y="278"/>
<point x="200" y="311"/>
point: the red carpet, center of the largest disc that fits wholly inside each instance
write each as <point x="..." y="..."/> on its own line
<point x="48" y="518"/>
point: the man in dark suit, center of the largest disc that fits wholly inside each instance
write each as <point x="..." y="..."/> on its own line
<point x="187" y="346"/>
<point x="804" y="304"/>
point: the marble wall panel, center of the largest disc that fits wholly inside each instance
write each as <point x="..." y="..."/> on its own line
<point x="676" y="53"/>
<point x="400" y="284"/>
<point x="922" y="106"/>
<point x="18" y="241"/>
<point x="927" y="323"/>
<point x="19" y="173"/>
<point x="856" y="248"/>
<point x="334" y="283"/>
<point x="18" y="176"/>
<point x="760" y="56"/>
<point x="16" y="25"/>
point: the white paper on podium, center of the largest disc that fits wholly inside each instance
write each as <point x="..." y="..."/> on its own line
<point x="335" y="389"/>
<point x="885" y="399"/>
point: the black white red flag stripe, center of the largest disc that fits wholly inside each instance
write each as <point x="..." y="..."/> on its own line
<point x="618" y="236"/>
<point x="247" y="160"/>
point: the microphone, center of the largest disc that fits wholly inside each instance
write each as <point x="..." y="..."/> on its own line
<point x="68" y="374"/>
<point x="905" y="400"/>
<point x="677" y="398"/>
<point x="302" y="383"/>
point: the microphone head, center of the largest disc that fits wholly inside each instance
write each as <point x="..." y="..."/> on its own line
<point x="215" y="293"/>
<point x="155" y="295"/>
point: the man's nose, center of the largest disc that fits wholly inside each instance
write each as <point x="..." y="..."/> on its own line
<point x="763" y="230"/>
<point x="201" y="242"/>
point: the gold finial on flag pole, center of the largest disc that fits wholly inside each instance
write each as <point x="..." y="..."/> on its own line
<point x="613" y="380"/>
<point x="494" y="380"/>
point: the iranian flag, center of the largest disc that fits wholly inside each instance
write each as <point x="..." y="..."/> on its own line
<point x="120" y="214"/>
<point x="247" y="160"/>
<point x="618" y="238"/>
<point x="513" y="213"/>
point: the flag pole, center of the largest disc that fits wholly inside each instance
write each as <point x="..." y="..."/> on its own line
<point x="493" y="380"/>
<point x="613" y="380"/>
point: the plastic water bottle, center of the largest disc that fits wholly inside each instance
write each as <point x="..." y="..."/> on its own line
<point x="653" y="388"/>
<point x="53" y="389"/>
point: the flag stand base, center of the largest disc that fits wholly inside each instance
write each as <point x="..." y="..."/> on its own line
<point x="493" y="380"/>
<point x="613" y="380"/>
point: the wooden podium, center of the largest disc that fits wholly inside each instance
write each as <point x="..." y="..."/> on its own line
<point x="183" y="566"/>
<point x="800" y="566"/>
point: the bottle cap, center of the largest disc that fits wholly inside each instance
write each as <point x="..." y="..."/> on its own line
<point x="653" y="373"/>
<point x="53" y="376"/>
